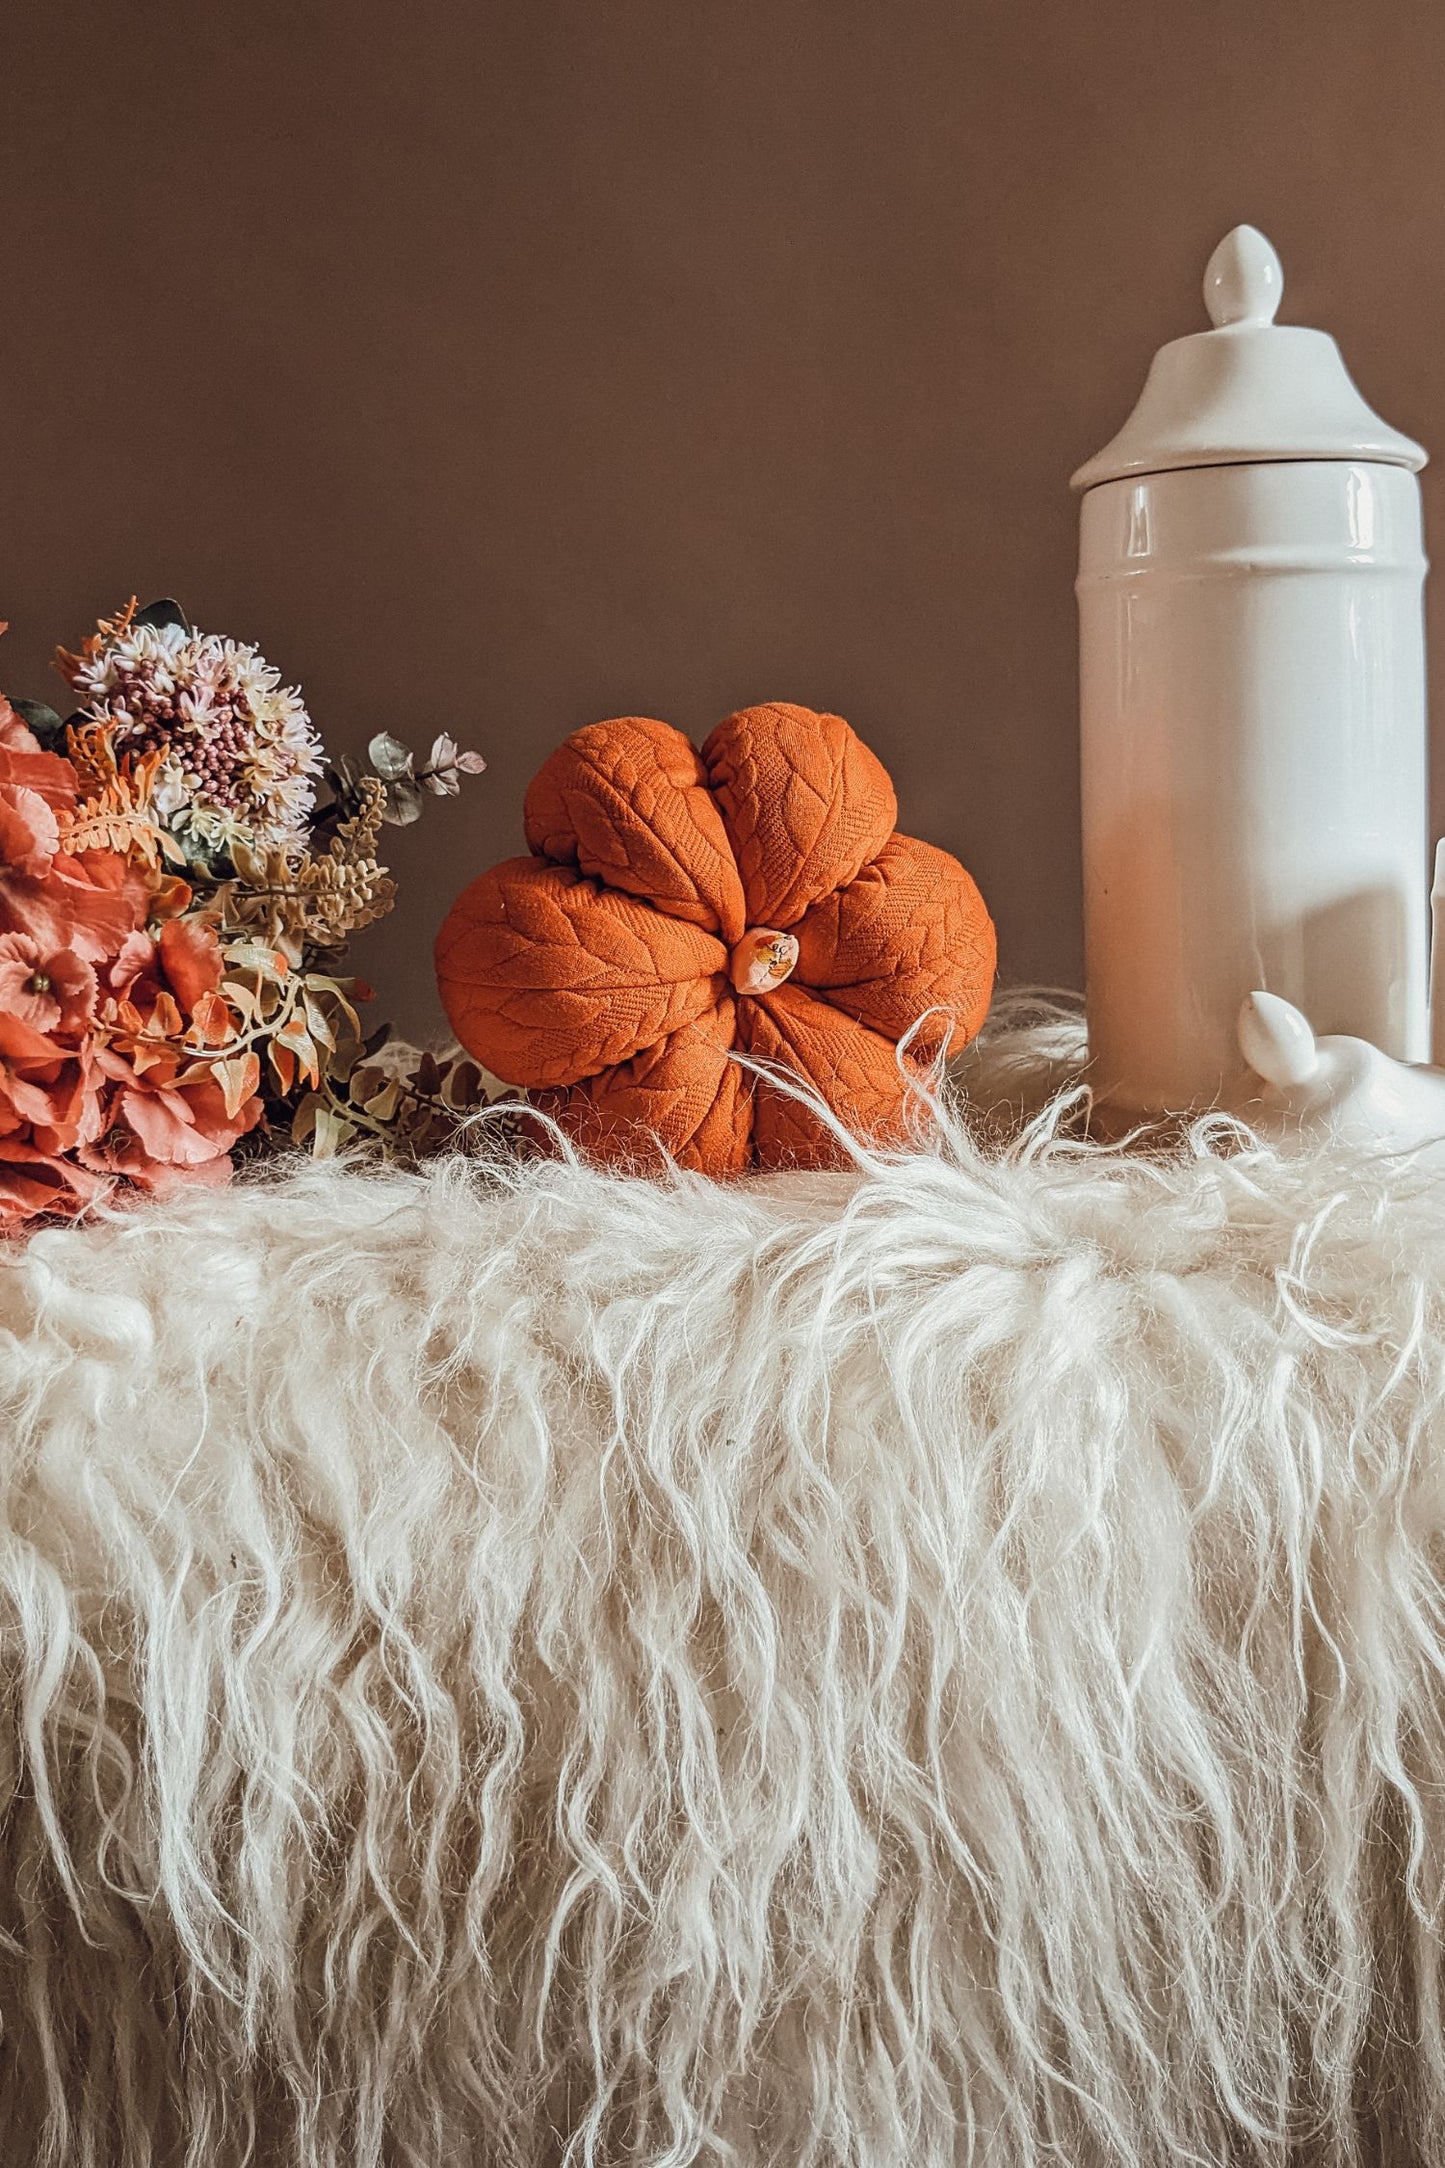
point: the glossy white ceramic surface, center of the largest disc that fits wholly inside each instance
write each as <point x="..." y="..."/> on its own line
<point x="1254" y="766"/>
<point x="1337" y="1087"/>
<point x="1243" y="280"/>
<point x="1248" y="388"/>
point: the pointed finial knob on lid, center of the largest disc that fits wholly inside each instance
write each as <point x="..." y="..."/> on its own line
<point x="1243" y="281"/>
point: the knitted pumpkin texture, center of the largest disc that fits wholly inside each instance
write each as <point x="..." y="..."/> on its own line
<point x="682" y="906"/>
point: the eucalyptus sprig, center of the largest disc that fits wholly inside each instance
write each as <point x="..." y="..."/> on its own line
<point x="405" y="786"/>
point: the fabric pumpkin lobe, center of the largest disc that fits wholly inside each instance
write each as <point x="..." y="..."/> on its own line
<point x="906" y="946"/>
<point x="686" y="1097"/>
<point x="559" y="977"/>
<point x="627" y="802"/>
<point x="860" y="1074"/>
<point x="805" y="804"/>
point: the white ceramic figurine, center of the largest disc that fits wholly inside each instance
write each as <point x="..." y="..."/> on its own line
<point x="1345" y="1087"/>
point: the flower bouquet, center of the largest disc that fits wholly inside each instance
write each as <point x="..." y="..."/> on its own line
<point x="181" y="869"/>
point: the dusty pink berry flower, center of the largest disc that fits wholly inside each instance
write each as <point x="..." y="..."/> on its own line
<point x="240" y="751"/>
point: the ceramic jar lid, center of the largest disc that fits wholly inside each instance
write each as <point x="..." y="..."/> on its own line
<point x="1250" y="389"/>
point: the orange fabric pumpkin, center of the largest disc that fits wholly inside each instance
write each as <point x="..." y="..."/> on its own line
<point x="679" y="906"/>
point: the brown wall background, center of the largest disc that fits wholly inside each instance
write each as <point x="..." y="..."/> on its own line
<point x="502" y="367"/>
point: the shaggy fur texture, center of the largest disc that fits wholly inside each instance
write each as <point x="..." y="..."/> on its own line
<point x="937" y="1665"/>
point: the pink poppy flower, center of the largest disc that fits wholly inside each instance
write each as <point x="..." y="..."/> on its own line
<point x="167" y="1123"/>
<point x="29" y="831"/>
<point x="191" y="959"/>
<point x="24" y="766"/>
<point x="42" y="1185"/>
<point x="49" y="1092"/>
<point x="50" y="992"/>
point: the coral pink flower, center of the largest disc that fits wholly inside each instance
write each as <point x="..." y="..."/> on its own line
<point x="167" y="1124"/>
<point x="45" y="991"/>
<point x="29" y="831"/>
<point x="47" y="1089"/>
<point x="41" y="1185"/>
<point x="171" y="1114"/>
<point x="185" y="962"/>
<point x="191" y="959"/>
<point x="87" y="902"/>
<point x="25" y="766"/>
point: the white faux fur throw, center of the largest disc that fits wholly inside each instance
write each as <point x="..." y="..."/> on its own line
<point x="944" y="1664"/>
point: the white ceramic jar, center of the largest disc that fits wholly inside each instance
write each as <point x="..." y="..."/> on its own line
<point x="1252" y="692"/>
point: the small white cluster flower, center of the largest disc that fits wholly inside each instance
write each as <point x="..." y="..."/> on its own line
<point x="240" y="753"/>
